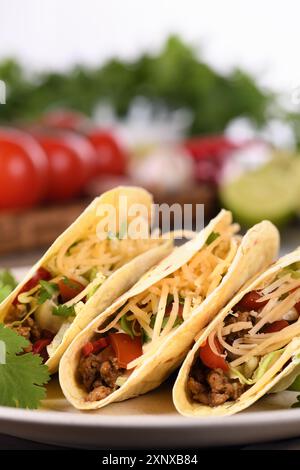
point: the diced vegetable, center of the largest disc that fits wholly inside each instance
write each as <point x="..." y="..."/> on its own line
<point x="69" y="288"/>
<point x="41" y="274"/>
<point x="275" y="326"/>
<point x="210" y="359"/>
<point x="126" y="349"/>
<point x="250" y="301"/>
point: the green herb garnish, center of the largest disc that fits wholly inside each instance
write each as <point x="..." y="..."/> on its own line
<point x="7" y="284"/>
<point x="47" y="291"/>
<point x="212" y="237"/>
<point x="63" y="311"/>
<point x="22" y="376"/>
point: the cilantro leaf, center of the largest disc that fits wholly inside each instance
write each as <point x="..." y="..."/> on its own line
<point x="64" y="311"/>
<point x="21" y="376"/>
<point x="47" y="291"/>
<point x="212" y="237"/>
<point x="7" y="284"/>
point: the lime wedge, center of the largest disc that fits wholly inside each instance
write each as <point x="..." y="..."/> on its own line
<point x="272" y="193"/>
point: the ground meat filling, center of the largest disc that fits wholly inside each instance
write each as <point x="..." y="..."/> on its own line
<point x="212" y="387"/>
<point x="98" y="374"/>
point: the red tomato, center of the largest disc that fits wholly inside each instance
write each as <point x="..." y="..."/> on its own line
<point x="111" y="158"/>
<point x="68" y="289"/>
<point x="71" y="160"/>
<point x="275" y="326"/>
<point x="39" y="347"/>
<point x="297" y="307"/>
<point x="64" y="119"/>
<point x="126" y="349"/>
<point x="210" y="359"/>
<point x="23" y="170"/>
<point x="250" y="302"/>
<point x="41" y="275"/>
<point x="94" y="346"/>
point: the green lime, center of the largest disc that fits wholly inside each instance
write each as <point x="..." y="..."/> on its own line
<point x="272" y="193"/>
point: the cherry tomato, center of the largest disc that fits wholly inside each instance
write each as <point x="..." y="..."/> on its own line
<point x="275" y="326"/>
<point x="210" y="359"/>
<point x="41" y="275"/>
<point x="111" y="158"/>
<point x="71" y="160"/>
<point x="68" y="289"/>
<point x="126" y="349"/>
<point x="23" y="170"/>
<point x="250" y="302"/>
<point x="64" y="119"/>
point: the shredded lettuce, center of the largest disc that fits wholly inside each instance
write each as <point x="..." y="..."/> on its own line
<point x="265" y="363"/>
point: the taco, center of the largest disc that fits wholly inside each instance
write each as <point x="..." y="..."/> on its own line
<point x="80" y="276"/>
<point x="138" y="341"/>
<point x="251" y="348"/>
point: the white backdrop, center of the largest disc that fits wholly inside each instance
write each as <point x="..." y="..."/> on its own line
<point x="262" y="35"/>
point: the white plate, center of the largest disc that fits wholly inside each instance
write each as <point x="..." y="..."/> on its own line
<point x="149" y="421"/>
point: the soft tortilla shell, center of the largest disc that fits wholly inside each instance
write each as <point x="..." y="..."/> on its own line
<point x="116" y="284"/>
<point x="180" y="397"/>
<point x="257" y="250"/>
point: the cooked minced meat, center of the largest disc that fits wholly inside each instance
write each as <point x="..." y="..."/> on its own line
<point x="98" y="374"/>
<point x="212" y="387"/>
<point x="238" y="317"/>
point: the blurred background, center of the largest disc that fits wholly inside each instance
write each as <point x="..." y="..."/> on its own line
<point x="197" y="101"/>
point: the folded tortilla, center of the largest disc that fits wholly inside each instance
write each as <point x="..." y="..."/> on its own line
<point x="159" y="316"/>
<point x="255" y="341"/>
<point x="96" y="271"/>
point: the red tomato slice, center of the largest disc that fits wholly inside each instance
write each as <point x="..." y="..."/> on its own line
<point x="275" y="326"/>
<point x="23" y="170"/>
<point x="41" y="275"/>
<point x="111" y="158"/>
<point x="210" y="359"/>
<point x="40" y="347"/>
<point x="250" y="302"/>
<point x="126" y="349"/>
<point x="68" y="289"/>
<point x="72" y="161"/>
<point x="87" y="349"/>
<point x="100" y="344"/>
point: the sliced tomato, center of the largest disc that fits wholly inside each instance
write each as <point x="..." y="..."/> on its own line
<point x="41" y="275"/>
<point x="93" y="347"/>
<point x="250" y="301"/>
<point x="40" y="347"/>
<point x="68" y="289"/>
<point x="126" y="349"/>
<point x="275" y="326"/>
<point x="210" y="359"/>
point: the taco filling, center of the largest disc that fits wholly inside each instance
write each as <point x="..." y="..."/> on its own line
<point x="148" y="318"/>
<point x="247" y="343"/>
<point x="47" y="304"/>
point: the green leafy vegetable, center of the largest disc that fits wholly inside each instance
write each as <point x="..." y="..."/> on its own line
<point x="127" y="326"/>
<point x="22" y="376"/>
<point x="212" y="237"/>
<point x="64" y="311"/>
<point x="47" y="291"/>
<point x="7" y="284"/>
